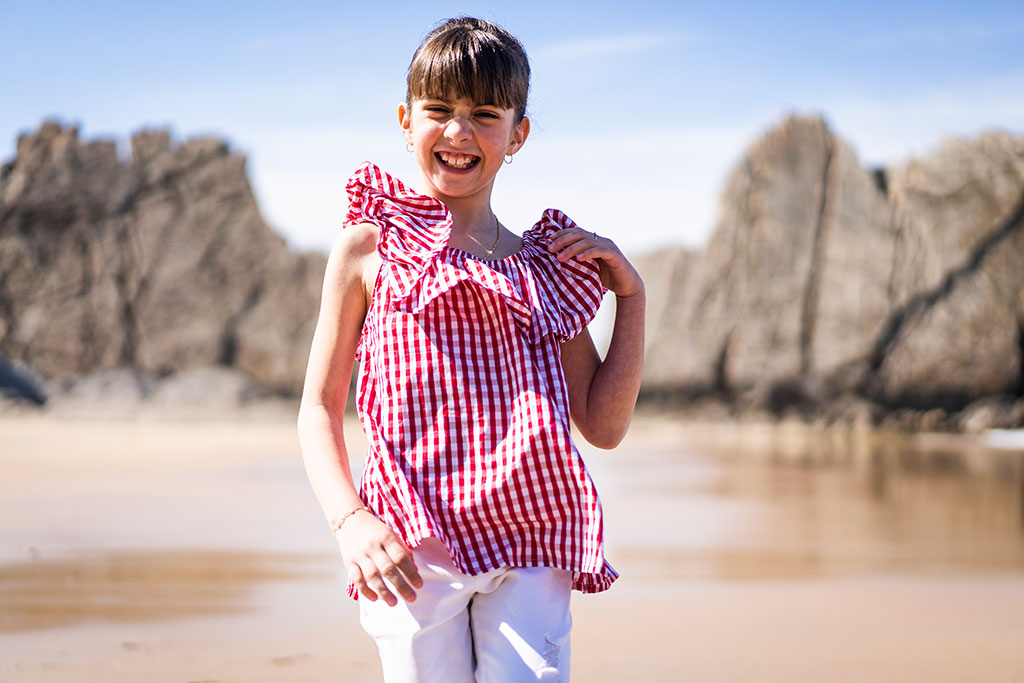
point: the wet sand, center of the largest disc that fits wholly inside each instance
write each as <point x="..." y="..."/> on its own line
<point x="195" y="551"/>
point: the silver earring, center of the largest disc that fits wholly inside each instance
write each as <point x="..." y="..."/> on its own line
<point x="508" y="158"/>
<point x="408" y="147"/>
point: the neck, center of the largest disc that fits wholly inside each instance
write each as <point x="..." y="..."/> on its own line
<point x="475" y="225"/>
<point x="473" y="221"/>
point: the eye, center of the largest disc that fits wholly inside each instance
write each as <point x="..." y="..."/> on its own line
<point x="435" y="107"/>
<point x="487" y="115"/>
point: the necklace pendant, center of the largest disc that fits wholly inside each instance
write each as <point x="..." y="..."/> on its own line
<point x="497" y="239"/>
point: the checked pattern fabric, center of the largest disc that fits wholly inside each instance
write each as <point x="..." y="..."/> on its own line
<point x="461" y="391"/>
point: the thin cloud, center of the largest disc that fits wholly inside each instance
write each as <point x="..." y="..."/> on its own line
<point x="282" y="40"/>
<point x="596" y="47"/>
<point x="940" y="36"/>
<point x="889" y="130"/>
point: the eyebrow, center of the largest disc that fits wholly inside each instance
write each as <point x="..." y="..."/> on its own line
<point x="446" y="100"/>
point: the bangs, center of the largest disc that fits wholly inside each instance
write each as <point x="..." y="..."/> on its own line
<point x="470" y="64"/>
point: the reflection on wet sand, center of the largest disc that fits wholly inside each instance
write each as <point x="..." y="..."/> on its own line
<point x="137" y="585"/>
<point x="749" y="503"/>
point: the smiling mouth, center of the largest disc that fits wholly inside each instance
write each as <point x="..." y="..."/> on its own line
<point x="456" y="160"/>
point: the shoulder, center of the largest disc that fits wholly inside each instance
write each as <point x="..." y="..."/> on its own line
<point x="570" y="290"/>
<point x="356" y="240"/>
<point x="353" y="258"/>
<point x="551" y="222"/>
<point x="538" y="239"/>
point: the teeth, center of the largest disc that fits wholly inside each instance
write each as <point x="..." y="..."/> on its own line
<point x="456" y="161"/>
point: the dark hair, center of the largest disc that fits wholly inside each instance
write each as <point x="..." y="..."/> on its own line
<point x="468" y="57"/>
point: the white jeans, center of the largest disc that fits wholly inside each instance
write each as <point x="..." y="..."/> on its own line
<point x="510" y="624"/>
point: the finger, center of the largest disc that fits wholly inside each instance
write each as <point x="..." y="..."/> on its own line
<point x="567" y="236"/>
<point x="403" y="559"/>
<point x="592" y="253"/>
<point x="566" y="232"/>
<point x="356" y="574"/>
<point x="390" y="571"/>
<point x="581" y="247"/>
<point x="375" y="580"/>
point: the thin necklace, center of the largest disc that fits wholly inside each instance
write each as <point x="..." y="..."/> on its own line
<point x="497" y="238"/>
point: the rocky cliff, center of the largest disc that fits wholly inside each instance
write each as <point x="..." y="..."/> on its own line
<point x="823" y="282"/>
<point x="903" y="286"/>
<point x="161" y="263"/>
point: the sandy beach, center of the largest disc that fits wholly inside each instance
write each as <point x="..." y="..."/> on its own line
<point x="195" y="551"/>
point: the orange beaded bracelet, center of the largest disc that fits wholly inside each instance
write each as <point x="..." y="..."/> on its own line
<point x="344" y="518"/>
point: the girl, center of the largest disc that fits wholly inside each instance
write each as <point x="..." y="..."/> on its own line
<point x="475" y="516"/>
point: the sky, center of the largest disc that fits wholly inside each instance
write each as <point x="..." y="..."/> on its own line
<point x="639" y="109"/>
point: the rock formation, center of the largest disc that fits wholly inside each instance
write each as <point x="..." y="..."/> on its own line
<point x="825" y="285"/>
<point x="823" y="278"/>
<point x="665" y="273"/>
<point x="161" y="263"/>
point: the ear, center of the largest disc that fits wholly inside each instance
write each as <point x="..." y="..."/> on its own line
<point x="405" y="121"/>
<point x="520" y="132"/>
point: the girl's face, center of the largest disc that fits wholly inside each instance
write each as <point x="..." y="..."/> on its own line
<point x="459" y="144"/>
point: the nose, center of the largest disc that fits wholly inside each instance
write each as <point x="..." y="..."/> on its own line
<point x="457" y="129"/>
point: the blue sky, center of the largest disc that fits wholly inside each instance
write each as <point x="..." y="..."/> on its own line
<point x="639" y="109"/>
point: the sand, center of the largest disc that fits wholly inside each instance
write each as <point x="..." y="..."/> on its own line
<point x="195" y="551"/>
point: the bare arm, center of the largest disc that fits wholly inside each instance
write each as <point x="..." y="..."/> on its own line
<point x="370" y="549"/>
<point x="328" y="373"/>
<point x="602" y="394"/>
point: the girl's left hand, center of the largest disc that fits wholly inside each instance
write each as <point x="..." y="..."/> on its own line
<point x="617" y="273"/>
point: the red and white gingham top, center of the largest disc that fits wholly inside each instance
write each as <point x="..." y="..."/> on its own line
<point x="462" y="394"/>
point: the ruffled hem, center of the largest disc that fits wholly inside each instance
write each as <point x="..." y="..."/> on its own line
<point x="584" y="582"/>
<point x="544" y="295"/>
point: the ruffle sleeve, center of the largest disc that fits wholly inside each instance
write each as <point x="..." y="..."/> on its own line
<point x="414" y="228"/>
<point x="570" y="291"/>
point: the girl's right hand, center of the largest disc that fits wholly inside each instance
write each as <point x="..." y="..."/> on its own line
<point x="373" y="552"/>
